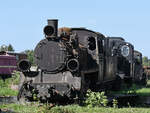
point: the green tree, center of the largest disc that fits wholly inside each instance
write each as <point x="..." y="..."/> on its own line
<point x="3" y="48"/>
<point x="10" y="48"/>
<point x="30" y="56"/>
<point x="145" y="61"/>
<point x="148" y="62"/>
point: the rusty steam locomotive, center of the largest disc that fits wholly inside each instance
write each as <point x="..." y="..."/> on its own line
<point x="72" y="60"/>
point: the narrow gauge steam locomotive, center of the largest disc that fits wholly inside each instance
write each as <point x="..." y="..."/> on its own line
<point x="72" y="60"/>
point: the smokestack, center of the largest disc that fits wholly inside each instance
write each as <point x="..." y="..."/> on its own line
<point x="51" y="29"/>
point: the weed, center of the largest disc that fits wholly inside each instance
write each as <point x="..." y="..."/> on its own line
<point x="115" y="103"/>
<point x="5" y="85"/>
<point x="96" y="99"/>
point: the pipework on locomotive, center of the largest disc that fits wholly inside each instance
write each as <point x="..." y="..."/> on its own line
<point x="72" y="60"/>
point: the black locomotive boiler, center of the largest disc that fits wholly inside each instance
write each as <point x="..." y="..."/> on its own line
<point x="72" y="60"/>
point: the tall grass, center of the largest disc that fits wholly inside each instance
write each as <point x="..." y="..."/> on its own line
<point x="5" y="90"/>
<point x="5" y="85"/>
<point x="35" y="108"/>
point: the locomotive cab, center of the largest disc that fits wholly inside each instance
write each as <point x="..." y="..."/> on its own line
<point x="91" y="58"/>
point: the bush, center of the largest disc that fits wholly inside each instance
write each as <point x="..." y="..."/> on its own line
<point x="96" y="99"/>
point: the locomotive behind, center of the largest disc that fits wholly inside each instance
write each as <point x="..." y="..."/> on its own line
<point x="72" y="60"/>
<point x="140" y="76"/>
<point x="124" y="52"/>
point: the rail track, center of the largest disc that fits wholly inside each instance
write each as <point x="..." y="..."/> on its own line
<point x="8" y="99"/>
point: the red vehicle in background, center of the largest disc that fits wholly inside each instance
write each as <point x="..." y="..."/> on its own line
<point x="8" y="64"/>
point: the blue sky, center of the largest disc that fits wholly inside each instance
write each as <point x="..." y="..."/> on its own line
<point x="22" y="21"/>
